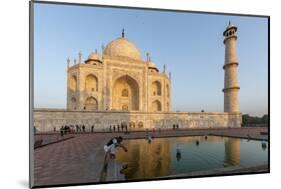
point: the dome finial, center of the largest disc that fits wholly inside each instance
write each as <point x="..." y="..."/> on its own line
<point x="68" y="62"/>
<point x="123" y="33"/>
<point x="147" y="56"/>
<point x="79" y="57"/>
<point x="102" y="49"/>
<point x="229" y="23"/>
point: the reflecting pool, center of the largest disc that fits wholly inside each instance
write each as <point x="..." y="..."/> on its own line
<point x="177" y="155"/>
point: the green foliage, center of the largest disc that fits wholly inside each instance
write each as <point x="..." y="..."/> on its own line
<point x="249" y="120"/>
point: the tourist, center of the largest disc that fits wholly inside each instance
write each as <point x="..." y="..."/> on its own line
<point x="61" y="131"/>
<point x="126" y="129"/>
<point x="122" y="127"/>
<point x="110" y="129"/>
<point x="114" y="128"/>
<point x="149" y="139"/>
<point x="64" y="129"/>
<point x="92" y="128"/>
<point x="110" y="148"/>
<point x="34" y="130"/>
<point x="178" y="152"/>
<point x="83" y="127"/>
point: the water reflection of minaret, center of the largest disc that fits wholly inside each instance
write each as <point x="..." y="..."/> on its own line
<point x="231" y="151"/>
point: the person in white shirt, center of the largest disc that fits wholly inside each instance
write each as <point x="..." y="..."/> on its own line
<point x="110" y="148"/>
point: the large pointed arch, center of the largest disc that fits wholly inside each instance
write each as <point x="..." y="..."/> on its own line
<point x="125" y="93"/>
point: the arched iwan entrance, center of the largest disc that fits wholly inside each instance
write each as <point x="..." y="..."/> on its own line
<point x="125" y="94"/>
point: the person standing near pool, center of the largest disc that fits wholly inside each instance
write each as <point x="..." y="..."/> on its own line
<point x="110" y="148"/>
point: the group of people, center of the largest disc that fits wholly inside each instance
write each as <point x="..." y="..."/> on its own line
<point x="118" y="128"/>
<point x="66" y="129"/>
<point x="175" y="126"/>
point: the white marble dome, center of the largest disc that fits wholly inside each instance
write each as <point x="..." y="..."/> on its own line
<point x="122" y="47"/>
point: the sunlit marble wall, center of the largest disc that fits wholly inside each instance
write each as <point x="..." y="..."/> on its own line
<point x="47" y="119"/>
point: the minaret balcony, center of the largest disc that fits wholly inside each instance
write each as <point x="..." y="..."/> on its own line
<point x="230" y="88"/>
<point x="229" y="37"/>
<point x="230" y="64"/>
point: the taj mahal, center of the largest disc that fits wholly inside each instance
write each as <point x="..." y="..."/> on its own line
<point x="118" y="79"/>
<point x="117" y="86"/>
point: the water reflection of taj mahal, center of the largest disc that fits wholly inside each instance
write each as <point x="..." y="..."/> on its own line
<point x="159" y="158"/>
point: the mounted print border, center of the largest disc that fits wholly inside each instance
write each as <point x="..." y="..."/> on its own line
<point x="127" y="94"/>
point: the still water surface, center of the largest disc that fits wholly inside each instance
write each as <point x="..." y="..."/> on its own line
<point x="169" y="156"/>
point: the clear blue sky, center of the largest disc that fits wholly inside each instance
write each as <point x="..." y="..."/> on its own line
<point x="190" y="44"/>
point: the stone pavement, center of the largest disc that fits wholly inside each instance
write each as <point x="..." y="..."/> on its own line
<point x="76" y="160"/>
<point x="47" y="139"/>
<point x="80" y="159"/>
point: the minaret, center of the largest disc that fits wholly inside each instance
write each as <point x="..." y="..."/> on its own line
<point x="231" y="87"/>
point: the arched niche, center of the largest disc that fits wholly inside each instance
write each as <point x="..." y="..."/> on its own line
<point x="132" y="124"/>
<point x="73" y="83"/>
<point x="156" y="88"/>
<point x="156" y="106"/>
<point x="91" y="83"/>
<point x="91" y="104"/>
<point x="73" y="103"/>
<point x="140" y="124"/>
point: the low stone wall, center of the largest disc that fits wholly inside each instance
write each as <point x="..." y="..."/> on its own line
<point x="46" y="120"/>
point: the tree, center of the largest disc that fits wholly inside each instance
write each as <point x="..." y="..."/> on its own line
<point x="246" y="119"/>
<point x="265" y="118"/>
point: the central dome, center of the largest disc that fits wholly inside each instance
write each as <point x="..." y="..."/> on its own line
<point x="122" y="47"/>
